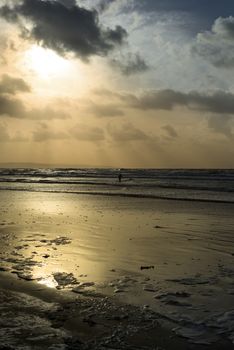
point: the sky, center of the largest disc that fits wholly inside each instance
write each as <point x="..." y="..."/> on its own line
<point x="117" y="83"/>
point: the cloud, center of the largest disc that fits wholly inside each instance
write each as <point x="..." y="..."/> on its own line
<point x="105" y="110"/>
<point x="220" y="102"/>
<point x="46" y="113"/>
<point x="44" y="133"/>
<point x="216" y="102"/>
<point x="14" y="108"/>
<point x="126" y="132"/>
<point x="64" y="28"/>
<point x="11" y="85"/>
<point x="221" y="125"/>
<point x="68" y="3"/>
<point x="11" y="107"/>
<point x="104" y="5"/>
<point x="171" y="132"/>
<point x="217" y="45"/>
<point x="187" y="16"/>
<point x="224" y="27"/>
<point x="83" y="132"/>
<point x="106" y="93"/>
<point x="133" y="64"/>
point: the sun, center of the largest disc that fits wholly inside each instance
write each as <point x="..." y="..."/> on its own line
<point x="45" y="62"/>
<point x="53" y="75"/>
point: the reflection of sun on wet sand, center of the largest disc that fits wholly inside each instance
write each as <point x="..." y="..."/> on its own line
<point x="45" y="318"/>
<point x="172" y="260"/>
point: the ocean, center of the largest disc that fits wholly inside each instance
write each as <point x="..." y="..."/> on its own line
<point x="180" y="184"/>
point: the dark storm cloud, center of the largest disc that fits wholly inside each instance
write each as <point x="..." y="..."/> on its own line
<point x="68" y="3"/>
<point x="11" y="85"/>
<point x="65" y="29"/>
<point x="217" y="102"/>
<point x="217" y="45"/>
<point x="131" y="65"/>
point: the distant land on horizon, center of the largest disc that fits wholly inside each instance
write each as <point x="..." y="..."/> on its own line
<point x="78" y="166"/>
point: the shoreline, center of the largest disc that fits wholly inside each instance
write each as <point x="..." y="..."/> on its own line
<point x="121" y="195"/>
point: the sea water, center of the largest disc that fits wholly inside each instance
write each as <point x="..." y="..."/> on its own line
<point x="185" y="184"/>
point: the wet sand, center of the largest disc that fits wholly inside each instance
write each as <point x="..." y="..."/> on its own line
<point x="38" y="317"/>
<point x="116" y="272"/>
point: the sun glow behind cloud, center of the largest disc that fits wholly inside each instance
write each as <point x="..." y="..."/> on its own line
<point x="46" y="63"/>
<point x="52" y="75"/>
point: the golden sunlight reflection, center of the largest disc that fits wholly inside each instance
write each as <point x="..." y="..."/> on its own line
<point x="46" y="63"/>
<point x="48" y="281"/>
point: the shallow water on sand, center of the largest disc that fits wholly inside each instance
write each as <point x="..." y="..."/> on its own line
<point x="174" y="257"/>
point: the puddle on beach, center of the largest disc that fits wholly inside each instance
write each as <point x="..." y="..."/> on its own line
<point x="177" y="262"/>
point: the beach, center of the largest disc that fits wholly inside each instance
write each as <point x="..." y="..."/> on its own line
<point x="116" y="175"/>
<point x="101" y="271"/>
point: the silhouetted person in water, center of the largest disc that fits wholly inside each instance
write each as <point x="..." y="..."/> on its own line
<point x="120" y="177"/>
